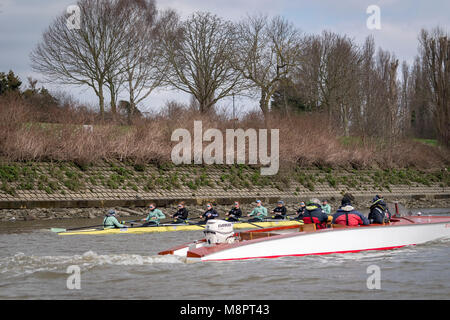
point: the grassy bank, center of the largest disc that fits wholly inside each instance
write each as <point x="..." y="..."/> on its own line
<point x="68" y="177"/>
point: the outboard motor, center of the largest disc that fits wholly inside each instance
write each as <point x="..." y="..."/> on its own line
<point x="219" y="231"/>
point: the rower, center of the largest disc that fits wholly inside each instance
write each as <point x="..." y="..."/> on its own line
<point x="313" y="214"/>
<point x="154" y="216"/>
<point x="210" y="213"/>
<point x="326" y="207"/>
<point x="259" y="213"/>
<point x="181" y="215"/>
<point x="279" y="211"/>
<point x="300" y="211"/>
<point x="347" y="215"/>
<point x="235" y="213"/>
<point x="110" y="221"/>
<point x="379" y="212"/>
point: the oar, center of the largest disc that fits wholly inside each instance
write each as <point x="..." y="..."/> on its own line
<point x="246" y="221"/>
<point x="57" y="230"/>
<point x="291" y="214"/>
<point x="263" y="221"/>
<point x="190" y="223"/>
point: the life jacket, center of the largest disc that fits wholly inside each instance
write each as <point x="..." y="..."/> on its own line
<point x="312" y="214"/>
<point x="348" y="216"/>
<point x="383" y="214"/>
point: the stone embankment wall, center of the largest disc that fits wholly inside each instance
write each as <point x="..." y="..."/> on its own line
<point x="66" y="190"/>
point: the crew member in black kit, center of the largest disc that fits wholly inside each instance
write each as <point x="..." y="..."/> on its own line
<point x="280" y="211"/>
<point x="235" y="213"/>
<point x="181" y="215"/>
<point x="210" y="213"/>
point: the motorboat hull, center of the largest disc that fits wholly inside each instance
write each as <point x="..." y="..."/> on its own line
<point x="404" y="232"/>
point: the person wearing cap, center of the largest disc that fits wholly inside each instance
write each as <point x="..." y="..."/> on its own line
<point x="347" y="215"/>
<point x="326" y="207"/>
<point x="259" y="213"/>
<point x="181" y="215"/>
<point x="235" y="213"/>
<point x="110" y="221"/>
<point x="379" y="212"/>
<point x="280" y="211"/>
<point x="300" y="211"/>
<point x="313" y="214"/>
<point x="154" y="216"/>
<point x="210" y="213"/>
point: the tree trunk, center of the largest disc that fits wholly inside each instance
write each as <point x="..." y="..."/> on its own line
<point x="264" y="105"/>
<point x="345" y="120"/>
<point x="206" y="103"/>
<point x="101" y="100"/>
<point x="113" y="95"/>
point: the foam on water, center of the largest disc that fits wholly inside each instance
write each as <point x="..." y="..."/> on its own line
<point x="21" y="264"/>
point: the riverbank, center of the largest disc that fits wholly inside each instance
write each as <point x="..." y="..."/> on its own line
<point x="60" y="190"/>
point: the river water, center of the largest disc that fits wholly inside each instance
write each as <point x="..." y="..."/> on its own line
<point x="34" y="265"/>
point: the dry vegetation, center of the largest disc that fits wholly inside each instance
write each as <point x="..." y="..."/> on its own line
<point x="28" y="132"/>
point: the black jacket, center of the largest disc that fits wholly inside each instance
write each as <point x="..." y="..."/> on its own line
<point x="301" y="211"/>
<point x="379" y="212"/>
<point x="235" y="212"/>
<point x="280" y="211"/>
<point x="181" y="214"/>
<point x="210" y="214"/>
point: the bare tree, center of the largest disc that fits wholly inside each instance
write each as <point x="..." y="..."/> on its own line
<point x="389" y="66"/>
<point x="266" y="53"/>
<point x="83" y="56"/>
<point x="420" y="101"/>
<point x="337" y="65"/>
<point x="141" y="69"/>
<point x="368" y="87"/>
<point x="435" y="58"/>
<point x="198" y="52"/>
<point x="307" y="72"/>
<point x="405" y="107"/>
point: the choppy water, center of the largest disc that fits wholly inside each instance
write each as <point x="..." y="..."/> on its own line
<point x="34" y="262"/>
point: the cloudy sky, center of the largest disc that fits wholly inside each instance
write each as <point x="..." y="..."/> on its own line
<point x="22" y="23"/>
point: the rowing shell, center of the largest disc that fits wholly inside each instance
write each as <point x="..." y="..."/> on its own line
<point x="179" y="227"/>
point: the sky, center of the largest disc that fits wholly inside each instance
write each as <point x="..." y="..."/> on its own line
<point x="22" y="23"/>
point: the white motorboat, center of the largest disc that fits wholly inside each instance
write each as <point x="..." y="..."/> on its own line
<point x="221" y="243"/>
